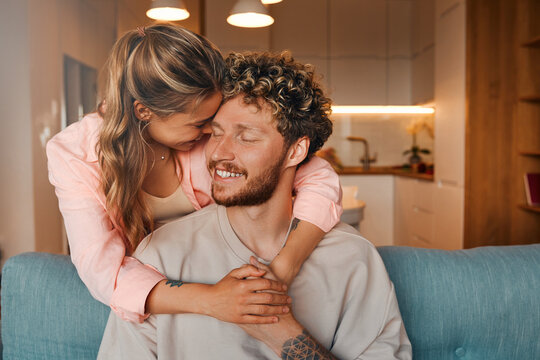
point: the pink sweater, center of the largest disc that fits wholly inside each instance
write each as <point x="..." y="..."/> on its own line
<point x="97" y="243"/>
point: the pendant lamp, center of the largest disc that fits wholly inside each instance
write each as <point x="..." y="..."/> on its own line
<point x="167" y="10"/>
<point x="249" y="14"/>
<point x="266" y="2"/>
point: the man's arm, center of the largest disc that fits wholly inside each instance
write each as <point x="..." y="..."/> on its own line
<point x="289" y="339"/>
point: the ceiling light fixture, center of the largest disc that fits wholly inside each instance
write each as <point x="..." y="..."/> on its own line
<point x="167" y="10"/>
<point x="389" y="109"/>
<point x="250" y="14"/>
<point x="266" y="2"/>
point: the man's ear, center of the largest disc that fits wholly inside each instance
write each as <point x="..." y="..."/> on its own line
<point x="142" y="112"/>
<point x="297" y="152"/>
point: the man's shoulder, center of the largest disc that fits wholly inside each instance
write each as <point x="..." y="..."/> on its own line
<point x="346" y="239"/>
<point x="344" y="249"/>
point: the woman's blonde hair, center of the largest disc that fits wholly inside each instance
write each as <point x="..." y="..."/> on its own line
<point x="166" y="68"/>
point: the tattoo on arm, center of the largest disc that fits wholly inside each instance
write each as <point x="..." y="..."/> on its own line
<point x="304" y="346"/>
<point x="294" y="224"/>
<point x="173" y="283"/>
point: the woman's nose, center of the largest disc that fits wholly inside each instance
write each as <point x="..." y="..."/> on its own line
<point x="207" y="129"/>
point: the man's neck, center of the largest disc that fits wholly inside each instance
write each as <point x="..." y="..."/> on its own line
<point x="263" y="228"/>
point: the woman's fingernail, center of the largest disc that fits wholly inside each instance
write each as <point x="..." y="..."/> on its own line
<point x="275" y="319"/>
<point x="289" y="300"/>
<point x="284" y="287"/>
<point x="285" y="309"/>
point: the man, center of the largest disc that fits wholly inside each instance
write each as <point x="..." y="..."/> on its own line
<point x="274" y="116"/>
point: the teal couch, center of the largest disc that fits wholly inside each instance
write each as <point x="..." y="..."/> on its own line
<point x="482" y="303"/>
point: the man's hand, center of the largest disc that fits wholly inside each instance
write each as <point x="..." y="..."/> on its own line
<point x="246" y="301"/>
<point x="287" y="338"/>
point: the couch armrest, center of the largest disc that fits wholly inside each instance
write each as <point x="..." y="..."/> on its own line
<point x="47" y="312"/>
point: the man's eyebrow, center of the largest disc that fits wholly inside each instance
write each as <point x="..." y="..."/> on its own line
<point x="213" y="123"/>
<point x="243" y="127"/>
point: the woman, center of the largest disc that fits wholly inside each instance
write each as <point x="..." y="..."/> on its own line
<point x="140" y="162"/>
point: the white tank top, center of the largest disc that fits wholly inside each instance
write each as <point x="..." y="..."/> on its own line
<point x="169" y="208"/>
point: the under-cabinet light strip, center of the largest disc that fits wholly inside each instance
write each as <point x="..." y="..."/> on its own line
<point x="412" y="109"/>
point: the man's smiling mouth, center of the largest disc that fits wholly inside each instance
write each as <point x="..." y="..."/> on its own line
<point x="226" y="174"/>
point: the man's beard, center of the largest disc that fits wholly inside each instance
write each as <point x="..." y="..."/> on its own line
<point x="256" y="191"/>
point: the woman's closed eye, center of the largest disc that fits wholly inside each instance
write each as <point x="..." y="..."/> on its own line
<point x="200" y="125"/>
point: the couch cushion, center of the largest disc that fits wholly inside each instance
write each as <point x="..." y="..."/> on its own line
<point x="482" y="303"/>
<point x="47" y="312"/>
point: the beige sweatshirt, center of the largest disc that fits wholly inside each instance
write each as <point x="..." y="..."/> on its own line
<point x="342" y="296"/>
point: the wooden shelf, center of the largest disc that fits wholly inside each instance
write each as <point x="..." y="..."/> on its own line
<point x="535" y="209"/>
<point x="530" y="98"/>
<point x="534" y="42"/>
<point x="529" y="153"/>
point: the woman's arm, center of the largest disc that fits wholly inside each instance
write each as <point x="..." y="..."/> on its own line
<point x="233" y="299"/>
<point x="302" y="240"/>
<point x="317" y="209"/>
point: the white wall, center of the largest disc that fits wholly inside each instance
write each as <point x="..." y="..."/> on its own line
<point x="17" y="206"/>
<point x="35" y="36"/>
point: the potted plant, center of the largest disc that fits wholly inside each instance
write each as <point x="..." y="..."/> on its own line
<point x="414" y="128"/>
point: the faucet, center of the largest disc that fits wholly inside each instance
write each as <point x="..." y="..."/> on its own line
<point x="365" y="160"/>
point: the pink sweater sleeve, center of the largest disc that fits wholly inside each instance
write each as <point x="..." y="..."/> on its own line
<point x="318" y="194"/>
<point x="317" y="188"/>
<point x="97" y="247"/>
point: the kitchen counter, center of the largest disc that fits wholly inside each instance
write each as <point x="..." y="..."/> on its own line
<point x="384" y="170"/>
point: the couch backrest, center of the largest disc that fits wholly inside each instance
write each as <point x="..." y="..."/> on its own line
<point x="482" y="303"/>
<point x="47" y="312"/>
<point x="473" y="304"/>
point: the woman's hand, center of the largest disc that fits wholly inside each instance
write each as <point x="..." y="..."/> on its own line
<point x="237" y="299"/>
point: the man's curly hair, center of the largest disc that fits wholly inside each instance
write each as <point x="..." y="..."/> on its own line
<point x="296" y="98"/>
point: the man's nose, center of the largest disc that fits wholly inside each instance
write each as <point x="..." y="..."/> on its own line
<point x="223" y="149"/>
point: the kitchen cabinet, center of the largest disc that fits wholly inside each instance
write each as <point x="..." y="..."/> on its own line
<point x="422" y="51"/>
<point x="427" y="214"/>
<point x="377" y="192"/>
<point x="360" y="48"/>
<point x="449" y="145"/>
<point x="448" y="217"/>
<point x="430" y="214"/>
<point x="413" y="212"/>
